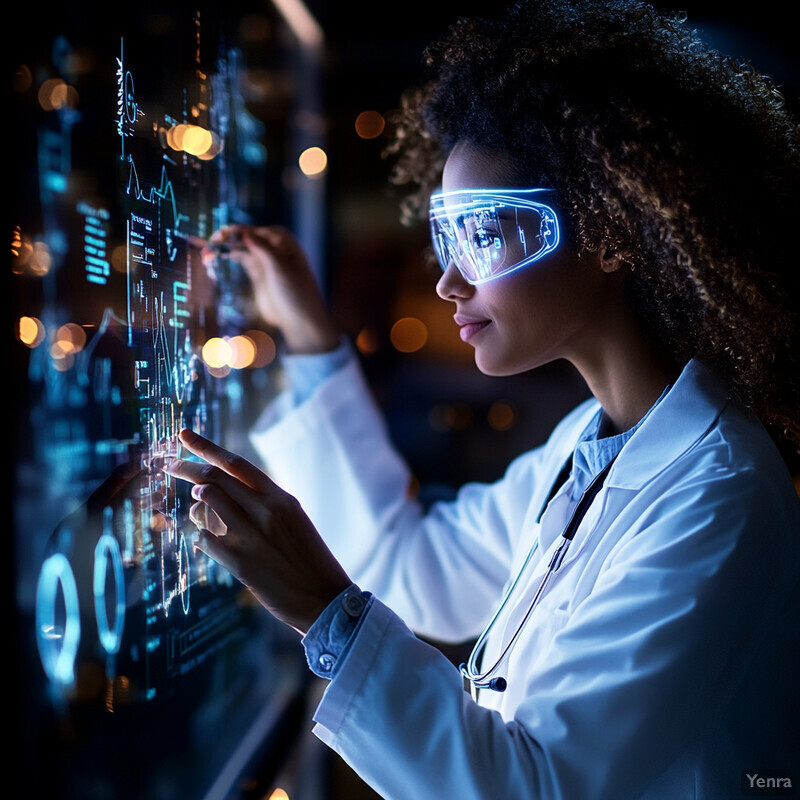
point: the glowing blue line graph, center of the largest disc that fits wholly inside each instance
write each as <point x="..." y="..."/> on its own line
<point x="86" y="355"/>
<point x="164" y="193"/>
<point x="161" y="349"/>
<point x="179" y="588"/>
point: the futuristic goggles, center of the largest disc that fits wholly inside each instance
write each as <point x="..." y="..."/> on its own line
<point x="487" y="233"/>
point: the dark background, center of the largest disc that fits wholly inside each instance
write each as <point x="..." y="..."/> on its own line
<point x="439" y="407"/>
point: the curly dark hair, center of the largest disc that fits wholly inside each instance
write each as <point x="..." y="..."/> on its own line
<point x="681" y="160"/>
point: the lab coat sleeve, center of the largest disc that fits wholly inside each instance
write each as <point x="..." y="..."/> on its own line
<point x="334" y="455"/>
<point x="634" y="677"/>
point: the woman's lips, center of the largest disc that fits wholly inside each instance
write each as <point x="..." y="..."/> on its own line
<point x="468" y="328"/>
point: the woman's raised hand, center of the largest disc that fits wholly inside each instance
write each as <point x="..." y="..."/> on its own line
<point x="285" y="290"/>
<point x="259" y="533"/>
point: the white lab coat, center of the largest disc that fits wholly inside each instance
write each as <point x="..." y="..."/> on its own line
<point x="661" y="662"/>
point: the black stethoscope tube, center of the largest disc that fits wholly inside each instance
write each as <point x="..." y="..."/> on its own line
<point x="487" y="679"/>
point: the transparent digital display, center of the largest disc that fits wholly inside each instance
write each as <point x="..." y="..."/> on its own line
<point x="144" y="667"/>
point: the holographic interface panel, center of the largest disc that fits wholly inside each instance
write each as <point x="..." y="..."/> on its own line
<point x="145" y="664"/>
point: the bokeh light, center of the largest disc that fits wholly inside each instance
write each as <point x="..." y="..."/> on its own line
<point x="367" y="342"/>
<point x="30" y="331"/>
<point x="194" y="140"/>
<point x="243" y="352"/>
<point x="31" y="257"/>
<point x="63" y="355"/>
<point x="41" y="259"/>
<point x="55" y="94"/>
<point x="370" y="124"/>
<point x="246" y="351"/>
<point x="409" y="334"/>
<point x="119" y="259"/>
<point x="501" y="416"/>
<point x="265" y="348"/>
<point x="451" y="417"/>
<point x="313" y="162"/>
<point x="216" y="352"/>
<point x="71" y="338"/>
<point x="21" y="250"/>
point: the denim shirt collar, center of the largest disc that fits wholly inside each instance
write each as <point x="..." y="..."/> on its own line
<point x="594" y="452"/>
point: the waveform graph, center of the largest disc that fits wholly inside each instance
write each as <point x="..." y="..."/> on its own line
<point x="163" y="207"/>
<point x="175" y="570"/>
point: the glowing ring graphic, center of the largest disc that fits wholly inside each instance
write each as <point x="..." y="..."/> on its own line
<point x="58" y="653"/>
<point x="108" y="549"/>
<point x="183" y="573"/>
<point x="130" y="101"/>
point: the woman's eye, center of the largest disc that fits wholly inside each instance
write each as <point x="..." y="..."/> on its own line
<point x="484" y="238"/>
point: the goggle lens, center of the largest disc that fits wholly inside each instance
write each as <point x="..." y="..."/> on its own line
<point x="487" y="233"/>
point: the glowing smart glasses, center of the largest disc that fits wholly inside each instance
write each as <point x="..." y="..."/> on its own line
<point x="487" y="233"/>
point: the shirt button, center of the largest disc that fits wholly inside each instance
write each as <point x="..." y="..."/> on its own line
<point x="353" y="604"/>
<point x="327" y="662"/>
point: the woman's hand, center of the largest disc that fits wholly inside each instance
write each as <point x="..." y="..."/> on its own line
<point x="286" y="292"/>
<point x="259" y="533"/>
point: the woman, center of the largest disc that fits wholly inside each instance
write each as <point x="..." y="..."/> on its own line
<point x="605" y="189"/>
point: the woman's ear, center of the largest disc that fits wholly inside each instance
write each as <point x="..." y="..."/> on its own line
<point x="610" y="261"/>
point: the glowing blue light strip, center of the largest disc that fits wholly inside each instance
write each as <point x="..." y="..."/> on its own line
<point x="513" y="196"/>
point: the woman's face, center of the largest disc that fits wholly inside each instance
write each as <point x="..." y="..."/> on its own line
<point x="550" y="309"/>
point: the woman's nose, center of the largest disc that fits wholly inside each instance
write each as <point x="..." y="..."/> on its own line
<point x="452" y="285"/>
